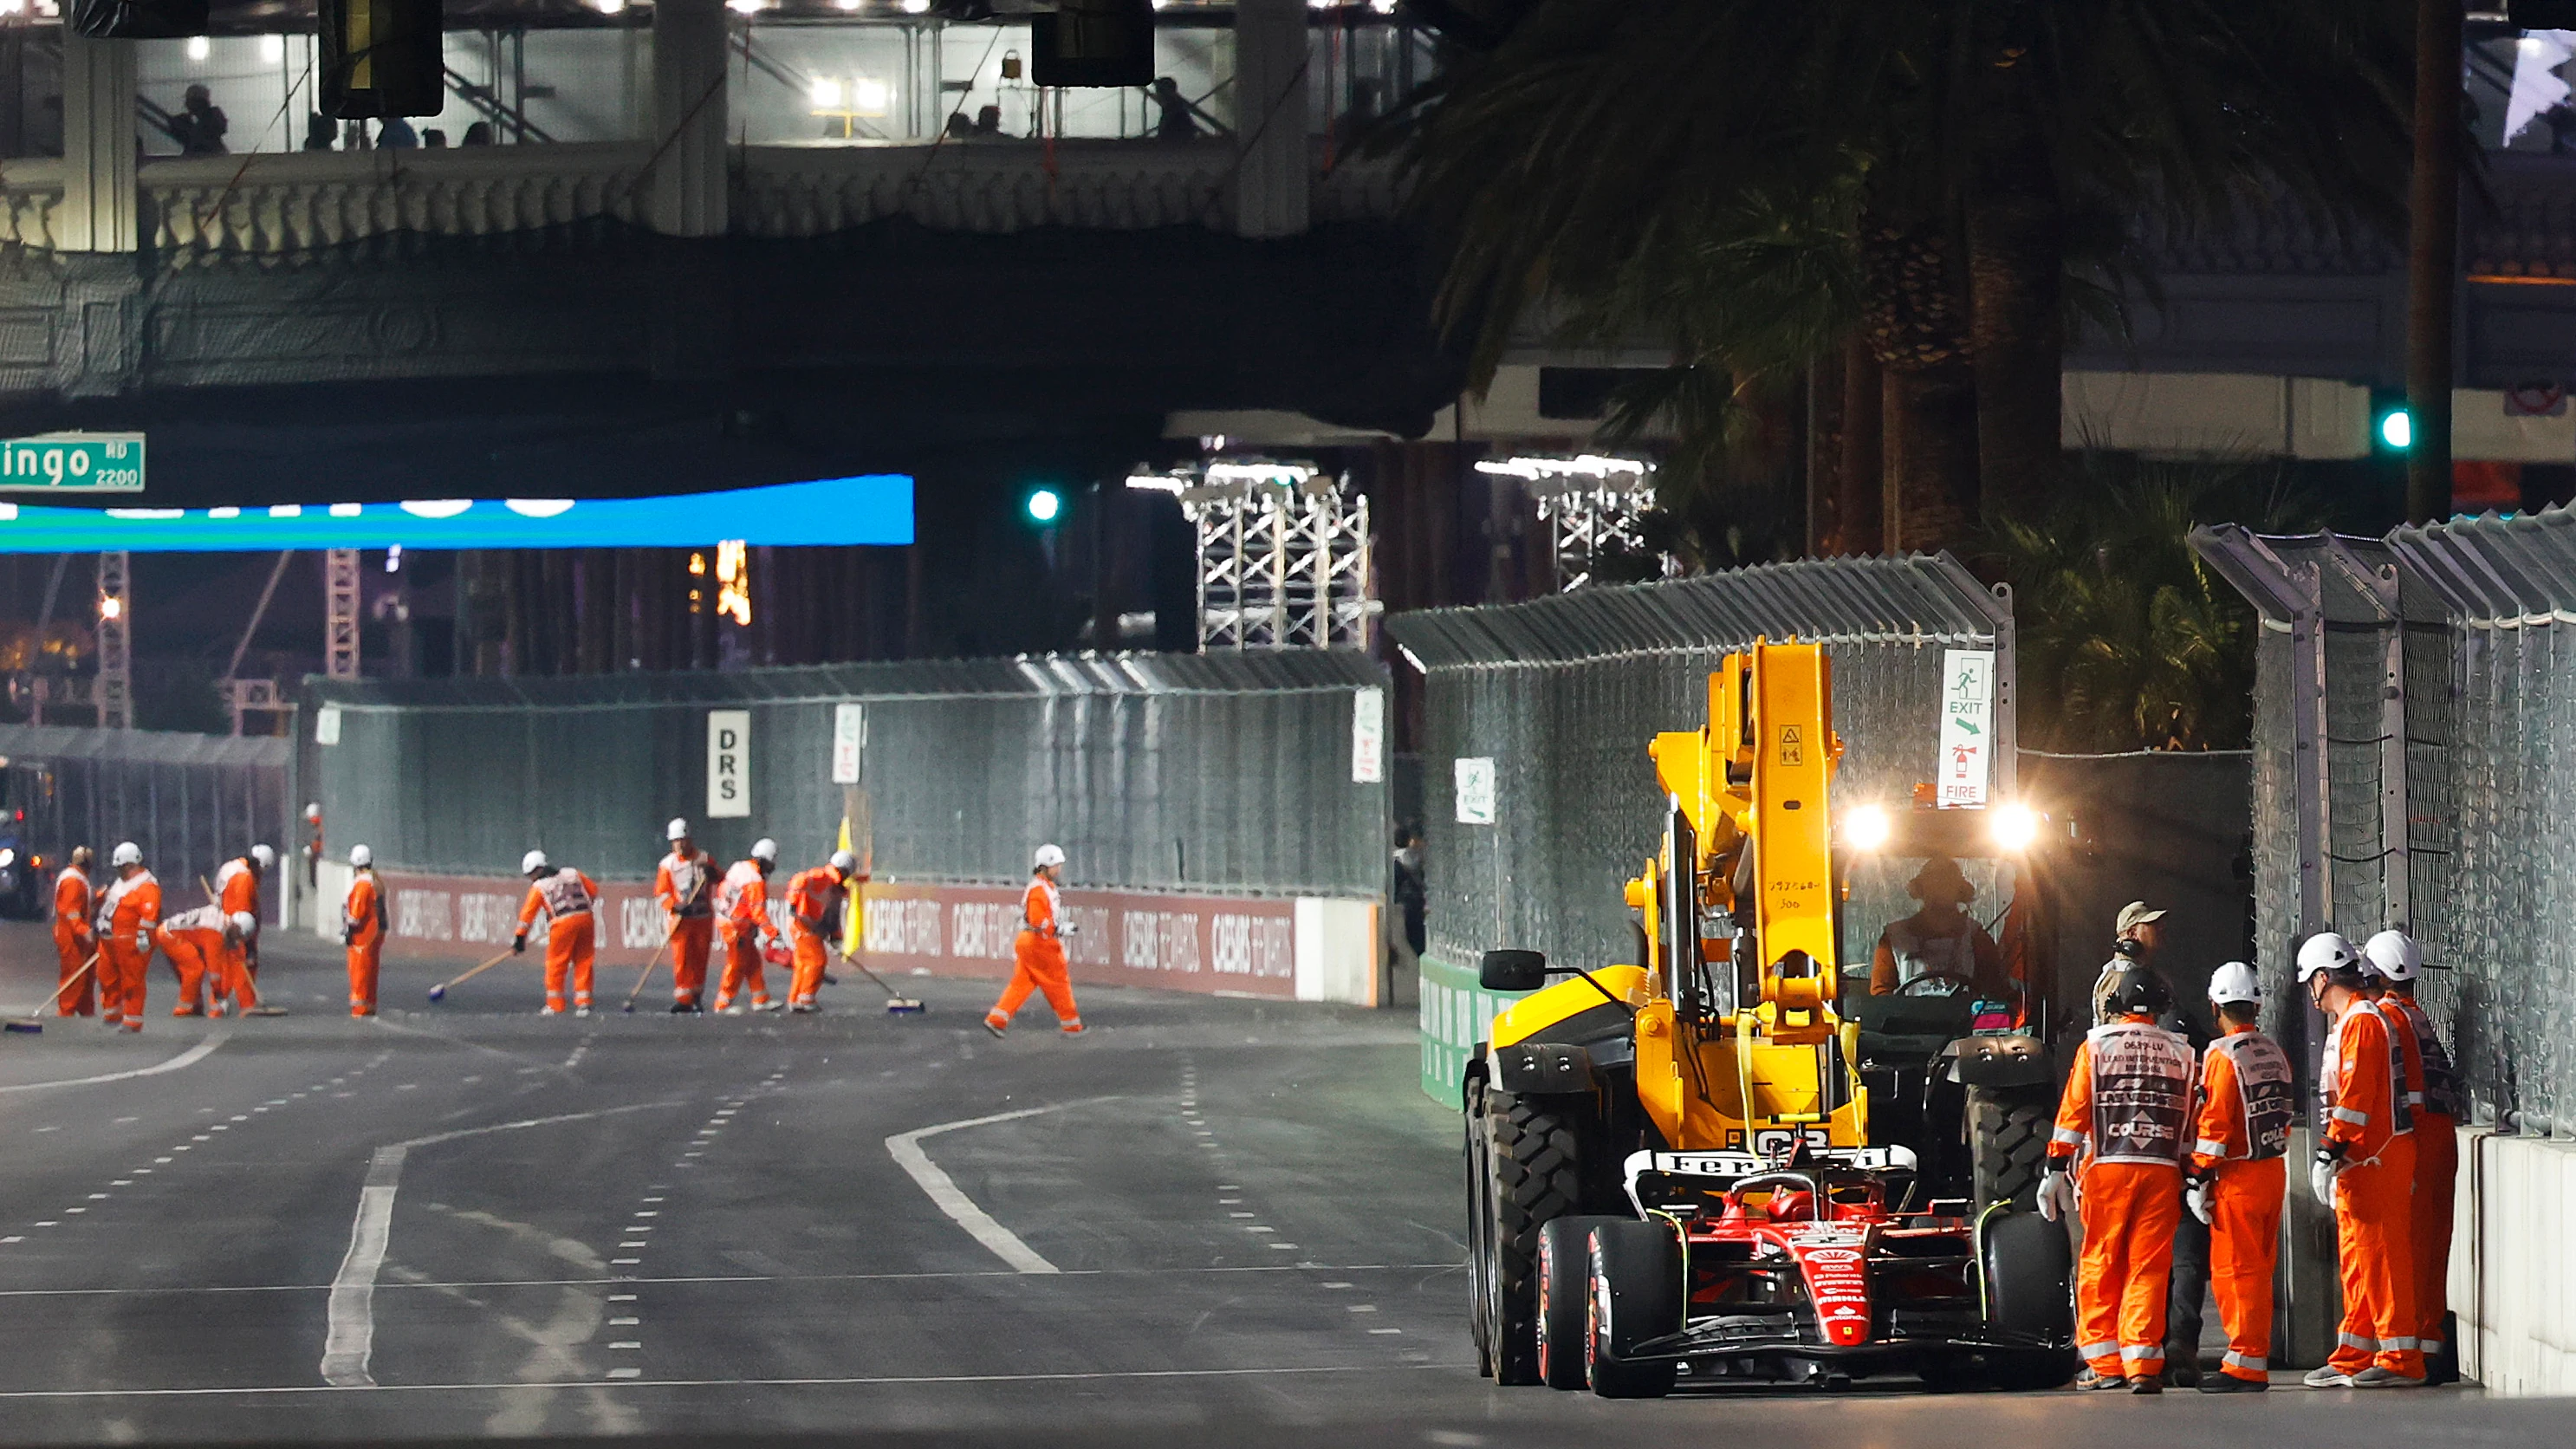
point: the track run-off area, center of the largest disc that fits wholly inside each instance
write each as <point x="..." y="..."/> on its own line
<point x="469" y="1221"/>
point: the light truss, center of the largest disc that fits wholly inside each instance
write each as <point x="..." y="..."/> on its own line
<point x="1594" y="507"/>
<point x="114" y="691"/>
<point x="1284" y="557"/>
<point x="340" y="613"/>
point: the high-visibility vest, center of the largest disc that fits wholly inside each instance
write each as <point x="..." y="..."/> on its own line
<point x="684" y="882"/>
<point x="565" y="893"/>
<point x="72" y="899"/>
<point x="1918" y="955"/>
<point x="2142" y="1090"/>
<point x="1042" y="909"/>
<point x="143" y="891"/>
<point x="743" y="886"/>
<point x="2443" y="1093"/>
<point x="2266" y="1099"/>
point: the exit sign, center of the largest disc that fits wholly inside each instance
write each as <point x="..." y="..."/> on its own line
<point x="73" y="463"/>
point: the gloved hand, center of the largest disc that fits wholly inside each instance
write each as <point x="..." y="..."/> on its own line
<point x="143" y="942"/>
<point x="2196" y="1195"/>
<point x="2056" y="1195"/>
<point x="519" y="944"/>
<point x="348" y="935"/>
<point x="2322" y="1174"/>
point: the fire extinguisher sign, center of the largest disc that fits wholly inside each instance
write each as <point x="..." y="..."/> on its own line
<point x="1967" y="727"/>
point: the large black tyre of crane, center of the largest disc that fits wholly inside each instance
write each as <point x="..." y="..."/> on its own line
<point x="2008" y="1131"/>
<point x="1533" y="1160"/>
<point x="1637" y="1296"/>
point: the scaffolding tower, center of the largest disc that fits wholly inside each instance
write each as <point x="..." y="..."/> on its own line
<point x="114" y="691"/>
<point x="1594" y="507"/>
<point x="340" y="612"/>
<point x="1283" y="556"/>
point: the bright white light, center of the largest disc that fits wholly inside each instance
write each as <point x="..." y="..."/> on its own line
<point x="1383" y="7"/>
<point x="344" y="510"/>
<point x="199" y="47"/>
<point x="272" y="48"/>
<point x="1866" y="827"/>
<point x="2397" y="429"/>
<point x="8" y="857"/>
<point x="1157" y="483"/>
<point x="745" y="7"/>
<point x="1286" y="475"/>
<point x="286" y="510"/>
<point x="918" y="7"/>
<point x="13" y="7"/>
<point x="1044" y="505"/>
<point x="436" y="507"/>
<point x="868" y="95"/>
<point x="8" y="512"/>
<point x="111" y="607"/>
<point x="2014" y="827"/>
<point x="846" y="4"/>
<point x="826" y="94"/>
<point x="608" y="7"/>
<point x="223" y="513"/>
<point x="393" y="559"/>
<point x="147" y="513"/>
<point x="538" y="507"/>
<point x="1588" y="465"/>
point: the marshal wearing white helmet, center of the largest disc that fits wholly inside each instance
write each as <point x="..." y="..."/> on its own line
<point x="1038" y="951"/>
<point x="2365" y="1167"/>
<point x="2237" y="1178"/>
<point x="238" y="883"/>
<point x="2393" y="958"/>
<point x="742" y="918"/>
<point x="568" y="899"/>
<point x="684" y="885"/>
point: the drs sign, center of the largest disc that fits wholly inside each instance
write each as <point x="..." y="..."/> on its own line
<point x="73" y="463"/>
<point x="728" y="764"/>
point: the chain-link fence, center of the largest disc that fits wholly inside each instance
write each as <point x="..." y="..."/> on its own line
<point x="2415" y="767"/>
<point x="1230" y="772"/>
<point x="1563" y="694"/>
<point x="191" y="802"/>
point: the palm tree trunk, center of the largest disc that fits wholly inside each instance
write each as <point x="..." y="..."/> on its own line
<point x="2016" y="257"/>
<point x="1931" y="456"/>
<point x="1864" y="471"/>
<point x="2433" y="257"/>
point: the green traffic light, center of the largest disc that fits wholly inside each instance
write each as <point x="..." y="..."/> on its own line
<point x="1044" y="505"/>
<point x="2397" y="429"/>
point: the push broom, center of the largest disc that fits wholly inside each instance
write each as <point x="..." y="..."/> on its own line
<point x="439" y="992"/>
<point x="29" y="1024"/>
<point x="897" y="1004"/>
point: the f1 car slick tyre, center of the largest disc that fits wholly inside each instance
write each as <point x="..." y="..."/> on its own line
<point x="1636" y="1296"/>
<point x="1564" y="1298"/>
<point x="1531" y="1161"/>
<point x="2007" y="1144"/>
<point x="2029" y="1270"/>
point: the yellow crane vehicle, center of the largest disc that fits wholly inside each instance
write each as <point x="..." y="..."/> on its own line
<point x="1671" y="1166"/>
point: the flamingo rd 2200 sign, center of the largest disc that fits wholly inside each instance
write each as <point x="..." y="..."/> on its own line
<point x="73" y="463"/>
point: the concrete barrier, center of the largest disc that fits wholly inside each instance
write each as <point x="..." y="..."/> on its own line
<point x="2513" y="1267"/>
<point x="1301" y="948"/>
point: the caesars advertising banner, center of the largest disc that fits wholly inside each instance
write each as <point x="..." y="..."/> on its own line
<point x="1174" y="942"/>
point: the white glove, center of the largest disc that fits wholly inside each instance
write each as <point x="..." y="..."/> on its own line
<point x="2056" y="1195"/>
<point x="143" y="942"/>
<point x="2321" y="1178"/>
<point x="2196" y="1197"/>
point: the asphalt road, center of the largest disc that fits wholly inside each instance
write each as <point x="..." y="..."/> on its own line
<point x="1210" y="1217"/>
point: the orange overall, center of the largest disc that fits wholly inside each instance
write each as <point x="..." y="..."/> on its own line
<point x="685" y="886"/>
<point x="814" y="900"/>
<point x="1039" y="964"/>
<point x="2437" y="1169"/>
<point x="2125" y="1111"/>
<point x="362" y="928"/>
<point x="572" y="942"/>
<point x="194" y="942"/>
<point x="74" y="943"/>
<point x="237" y="886"/>
<point x="128" y="910"/>
<point x="2246" y="1104"/>
<point x="2367" y="1114"/>
<point x="742" y="913"/>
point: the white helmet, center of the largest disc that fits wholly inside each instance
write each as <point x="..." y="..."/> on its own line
<point x="532" y="862"/>
<point x="2234" y="982"/>
<point x="2392" y="954"/>
<point x="2325" y="951"/>
<point x="245" y="922"/>
<point x="844" y="862"/>
<point x="1050" y="855"/>
<point x="313" y="811"/>
<point x="677" y="830"/>
<point x="360" y="857"/>
<point x="765" y="849"/>
<point x="126" y="853"/>
<point x="265" y="857"/>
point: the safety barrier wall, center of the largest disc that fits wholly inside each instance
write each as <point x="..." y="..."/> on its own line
<point x="1302" y="948"/>
<point x="1561" y="696"/>
<point x="191" y="802"/>
<point x="2415" y="766"/>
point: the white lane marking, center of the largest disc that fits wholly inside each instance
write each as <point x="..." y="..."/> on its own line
<point x="179" y="1063"/>
<point x="944" y="1194"/>
<point x="351" y="1335"/>
<point x="626" y="1279"/>
<point x="882" y="1381"/>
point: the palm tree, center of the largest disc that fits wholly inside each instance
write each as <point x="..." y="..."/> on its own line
<point x="1945" y="179"/>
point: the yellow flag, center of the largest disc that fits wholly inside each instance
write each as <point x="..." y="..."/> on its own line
<point x="855" y="921"/>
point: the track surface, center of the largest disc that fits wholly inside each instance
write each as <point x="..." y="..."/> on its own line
<point x="648" y="1225"/>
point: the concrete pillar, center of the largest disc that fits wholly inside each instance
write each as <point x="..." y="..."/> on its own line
<point x="101" y="210"/>
<point x="1273" y="169"/>
<point x="689" y="184"/>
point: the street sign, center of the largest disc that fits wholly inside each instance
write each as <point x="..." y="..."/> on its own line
<point x="1967" y="727"/>
<point x="1368" y="736"/>
<point x="849" y="739"/>
<point x="1475" y="791"/>
<point x="73" y="463"/>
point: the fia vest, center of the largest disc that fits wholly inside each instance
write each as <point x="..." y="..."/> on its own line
<point x="2142" y="1089"/>
<point x="564" y="894"/>
<point x="2263" y="1090"/>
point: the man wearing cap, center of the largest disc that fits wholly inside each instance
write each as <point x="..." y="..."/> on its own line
<point x="1039" y="949"/>
<point x="1940" y="940"/>
<point x="2134" y="939"/>
<point x="685" y="887"/>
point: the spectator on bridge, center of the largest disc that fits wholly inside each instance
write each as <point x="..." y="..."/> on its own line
<point x="478" y="134"/>
<point x="200" y="125"/>
<point x="362" y="930"/>
<point x="1941" y="939"/>
<point x="988" y="124"/>
<point x="1039" y="948"/>
<point x="320" y="131"/>
<point x="395" y="134"/>
<point x="75" y="944"/>
<point x="1175" y="123"/>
